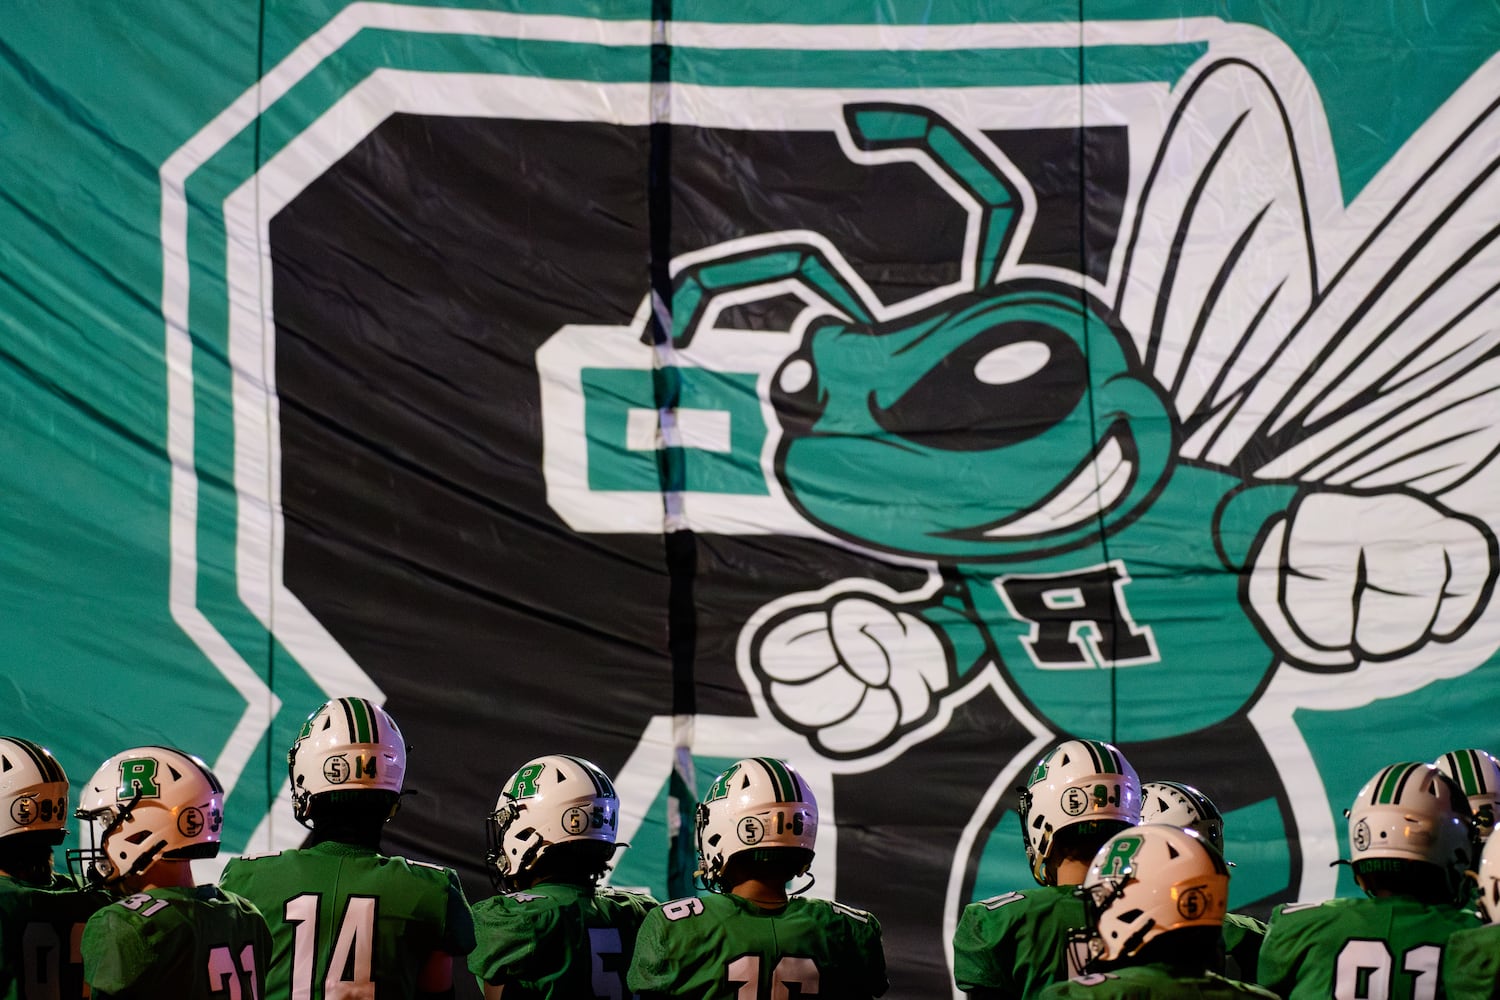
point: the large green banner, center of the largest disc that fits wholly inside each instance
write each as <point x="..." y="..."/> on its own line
<point x="891" y="388"/>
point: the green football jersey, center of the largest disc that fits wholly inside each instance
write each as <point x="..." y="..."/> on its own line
<point x="41" y="938"/>
<point x="565" y="942"/>
<point x="1242" y="937"/>
<point x="343" y="917"/>
<point x="1153" y="982"/>
<point x="1388" y="947"/>
<point x="1471" y="964"/>
<point x="186" y="944"/>
<point x="1016" y="943"/>
<point x="722" y="947"/>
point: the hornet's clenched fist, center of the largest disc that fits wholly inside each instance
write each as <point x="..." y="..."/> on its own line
<point x="851" y="673"/>
<point x="1346" y="577"/>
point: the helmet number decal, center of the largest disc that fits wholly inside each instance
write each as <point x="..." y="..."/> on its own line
<point x="336" y="769"/>
<point x="138" y="778"/>
<point x="26" y="810"/>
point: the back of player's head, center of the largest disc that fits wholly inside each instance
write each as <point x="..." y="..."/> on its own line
<point x="1148" y="883"/>
<point x="556" y="817"/>
<point x="33" y="792"/>
<point x="33" y="808"/>
<point x="1178" y="804"/>
<point x="1411" y="833"/>
<point x="1489" y="881"/>
<point x="1477" y="772"/>
<point x="147" y="804"/>
<point x="758" y="811"/>
<point x="1085" y="786"/>
<point x="349" y="745"/>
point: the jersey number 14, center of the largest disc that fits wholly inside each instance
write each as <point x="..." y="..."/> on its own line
<point x="348" y="973"/>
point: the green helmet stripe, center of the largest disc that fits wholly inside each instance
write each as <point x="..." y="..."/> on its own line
<point x="787" y="789"/>
<point x="1392" y="781"/>
<point x="1461" y="763"/>
<point x="357" y="712"/>
<point x="1104" y="761"/>
<point x="51" y="770"/>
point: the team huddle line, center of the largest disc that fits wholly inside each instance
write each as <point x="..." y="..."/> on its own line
<point x="1131" y="898"/>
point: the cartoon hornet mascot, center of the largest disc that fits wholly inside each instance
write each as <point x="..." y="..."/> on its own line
<point x="1215" y="463"/>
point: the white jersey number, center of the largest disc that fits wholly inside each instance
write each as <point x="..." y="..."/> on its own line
<point x="1365" y="969"/>
<point x="790" y="971"/>
<point x="348" y="976"/>
<point x="239" y="979"/>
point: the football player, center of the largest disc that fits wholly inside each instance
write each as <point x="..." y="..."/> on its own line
<point x="1477" y="772"/>
<point x="553" y="932"/>
<point x="153" y="811"/>
<point x="1411" y="841"/>
<point x="1080" y="794"/>
<point x="1183" y="805"/>
<point x="1155" y="897"/>
<point x="756" y="829"/>
<point x="1471" y="962"/>
<point x="344" y="916"/>
<point x="42" y="913"/>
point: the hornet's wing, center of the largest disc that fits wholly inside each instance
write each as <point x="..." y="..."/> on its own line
<point x="1221" y="261"/>
<point x="1371" y="361"/>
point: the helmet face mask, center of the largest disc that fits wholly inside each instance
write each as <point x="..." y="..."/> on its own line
<point x="756" y="804"/>
<point x="348" y="744"/>
<point x="549" y="801"/>
<point x="1076" y="782"/>
<point x="1413" y="813"/>
<point x="1147" y="881"/>
<point x="33" y="790"/>
<point x="1477" y="772"/>
<point x="1179" y="804"/>
<point x="145" y="804"/>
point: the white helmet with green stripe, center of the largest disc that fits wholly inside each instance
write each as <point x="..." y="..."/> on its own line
<point x="1077" y="782"/>
<point x="1489" y="881"/>
<point x="1477" y="772"/>
<point x="549" y="801"/>
<point x="756" y="804"/>
<point x="1181" y="804"/>
<point x="347" y="744"/>
<point x="1412" y="812"/>
<point x="144" y="804"/>
<point x="33" y="789"/>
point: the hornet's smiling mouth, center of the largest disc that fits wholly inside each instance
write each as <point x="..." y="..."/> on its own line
<point x="1094" y="487"/>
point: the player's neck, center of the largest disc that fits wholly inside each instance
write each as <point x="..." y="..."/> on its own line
<point x="768" y="895"/>
<point x="1069" y="871"/>
<point x="161" y="875"/>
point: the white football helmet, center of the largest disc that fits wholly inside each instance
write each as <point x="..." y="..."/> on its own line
<point x="1489" y="881"/>
<point x="1413" y="812"/>
<point x="1477" y="772"/>
<point x="755" y="804"/>
<point x="1147" y="881"/>
<point x="148" y="803"/>
<point x="1076" y="782"/>
<point x="550" y="800"/>
<point x="33" y="789"/>
<point x="1183" y="805"/>
<point x="347" y="744"/>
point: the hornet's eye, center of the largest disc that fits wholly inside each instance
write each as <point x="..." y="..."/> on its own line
<point x="797" y="396"/>
<point x="1005" y="385"/>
